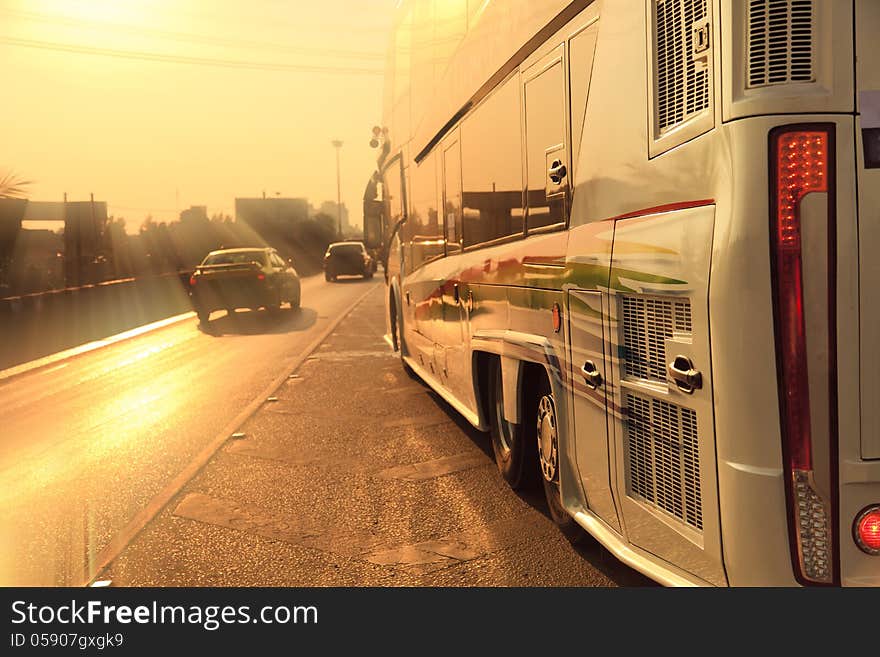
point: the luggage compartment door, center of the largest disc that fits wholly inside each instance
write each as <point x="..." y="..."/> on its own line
<point x="663" y="423"/>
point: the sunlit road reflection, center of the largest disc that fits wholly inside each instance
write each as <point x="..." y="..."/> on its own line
<point x="86" y="443"/>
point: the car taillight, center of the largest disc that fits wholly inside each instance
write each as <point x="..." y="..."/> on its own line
<point x="801" y="163"/>
<point x="261" y="276"/>
<point x="192" y="280"/>
<point x="866" y="530"/>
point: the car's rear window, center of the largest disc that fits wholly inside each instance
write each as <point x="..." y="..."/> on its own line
<point x="346" y="249"/>
<point x="236" y="258"/>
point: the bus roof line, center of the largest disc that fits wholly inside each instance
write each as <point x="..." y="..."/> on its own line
<point x="561" y="19"/>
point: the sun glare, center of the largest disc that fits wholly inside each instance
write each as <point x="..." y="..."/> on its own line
<point x="92" y="10"/>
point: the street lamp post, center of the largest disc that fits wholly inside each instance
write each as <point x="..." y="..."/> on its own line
<point x="337" y="144"/>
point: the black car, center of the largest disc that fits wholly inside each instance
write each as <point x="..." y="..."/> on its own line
<point x="348" y="258"/>
<point x="243" y="278"/>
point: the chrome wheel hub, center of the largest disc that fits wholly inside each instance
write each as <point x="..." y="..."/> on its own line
<point x="548" y="453"/>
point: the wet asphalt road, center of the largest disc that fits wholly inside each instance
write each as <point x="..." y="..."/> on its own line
<point x="357" y="475"/>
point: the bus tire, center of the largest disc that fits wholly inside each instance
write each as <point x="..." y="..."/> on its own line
<point x="514" y="451"/>
<point x="544" y="430"/>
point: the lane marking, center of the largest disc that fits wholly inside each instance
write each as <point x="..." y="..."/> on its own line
<point x="422" y="557"/>
<point x="436" y="467"/>
<point x="251" y="519"/>
<point x="463" y="546"/>
<point x="282" y="455"/>
<point x="159" y="501"/>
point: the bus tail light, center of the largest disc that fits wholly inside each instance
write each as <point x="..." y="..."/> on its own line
<point x="800" y="163"/>
<point x="866" y="530"/>
<point x="192" y="280"/>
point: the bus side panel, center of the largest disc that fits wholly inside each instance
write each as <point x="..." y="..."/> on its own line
<point x="421" y="299"/>
<point x="868" y="131"/>
<point x="593" y="458"/>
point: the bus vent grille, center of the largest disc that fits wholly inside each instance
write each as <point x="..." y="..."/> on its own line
<point x="647" y="323"/>
<point x="780" y="42"/>
<point x="664" y="459"/>
<point x="682" y="85"/>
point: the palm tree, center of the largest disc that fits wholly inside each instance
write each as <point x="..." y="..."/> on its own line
<point x="12" y="186"/>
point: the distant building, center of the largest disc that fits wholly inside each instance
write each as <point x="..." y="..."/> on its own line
<point x="270" y="215"/>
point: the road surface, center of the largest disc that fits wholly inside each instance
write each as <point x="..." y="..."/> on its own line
<point x="87" y="442"/>
<point x="118" y="465"/>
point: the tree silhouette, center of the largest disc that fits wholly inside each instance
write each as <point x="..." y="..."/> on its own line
<point x="12" y="186"/>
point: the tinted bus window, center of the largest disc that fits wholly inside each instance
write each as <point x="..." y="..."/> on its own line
<point x="492" y="168"/>
<point x="545" y="138"/>
<point x="581" y="48"/>
<point x="425" y="226"/>
<point x="452" y="197"/>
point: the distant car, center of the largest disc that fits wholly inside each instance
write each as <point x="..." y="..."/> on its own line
<point x="348" y="258"/>
<point x="243" y="278"/>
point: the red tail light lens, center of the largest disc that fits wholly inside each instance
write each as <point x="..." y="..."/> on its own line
<point x="802" y="167"/>
<point x="192" y="280"/>
<point x="800" y="159"/>
<point x="867" y="530"/>
<point x="261" y="276"/>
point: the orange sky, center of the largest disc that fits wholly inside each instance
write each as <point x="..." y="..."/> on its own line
<point x="153" y="137"/>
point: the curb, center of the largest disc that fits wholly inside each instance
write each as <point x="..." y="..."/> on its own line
<point x="89" y="347"/>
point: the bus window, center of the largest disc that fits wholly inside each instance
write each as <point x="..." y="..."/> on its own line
<point x="452" y="197"/>
<point x="491" y="151"/>
<point x="581" y="49"/>
<point x="425" y="227"/>
<point x="545" y="147"/>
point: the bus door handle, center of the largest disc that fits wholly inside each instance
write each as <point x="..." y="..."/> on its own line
<point x="456" y="295"/>
<point x="557" y="172"/>
<point x="591" y="375"/>
<point x="686" y="378"/>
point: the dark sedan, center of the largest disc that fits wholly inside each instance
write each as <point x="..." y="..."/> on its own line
<point x="348" y="258"/>
<point x="243" y="278"/>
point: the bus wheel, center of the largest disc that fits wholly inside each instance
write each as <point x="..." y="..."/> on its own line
<point x="546" y="427"/>
<point x="514" y="453"/>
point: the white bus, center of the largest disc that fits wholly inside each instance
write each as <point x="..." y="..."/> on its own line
<point x="635" y="241"/>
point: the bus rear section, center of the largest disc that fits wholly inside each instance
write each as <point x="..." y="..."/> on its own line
<point x="741" y="362"/>
<point x="797" y="389"/>
<point x="740" y="373"/>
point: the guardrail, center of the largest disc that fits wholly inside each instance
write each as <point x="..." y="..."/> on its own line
<point x="36" y="325"/>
